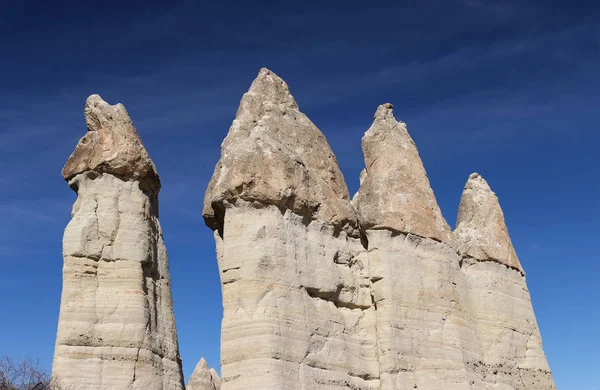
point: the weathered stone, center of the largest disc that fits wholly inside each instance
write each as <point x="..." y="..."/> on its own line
<point x="296" y="298"/>
<point x="395" y="192"/>
<point x="204" y="378"/>
<point x="275" y="155"/>
<point x="297" y="303"/>
<point x="111" y="145"/>
<point x="116" y="327"/>
<point x="501" y="308"/>
<point x="216" y="379"/>
<point x="480" y="228"/>
<point x="308" y="305"/>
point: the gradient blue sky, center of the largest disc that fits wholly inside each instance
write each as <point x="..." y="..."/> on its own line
<point x="509" y="89"/>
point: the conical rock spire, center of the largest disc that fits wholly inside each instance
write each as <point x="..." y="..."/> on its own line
<point x="395" y="192"/>
<point x="480" y="227"/>
<point x="275" y="155"/>
<point x="203" y="378"/>
<point x="111" y="145"/>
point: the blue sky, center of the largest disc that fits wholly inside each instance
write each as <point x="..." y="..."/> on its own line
<point x="509" y="89"/>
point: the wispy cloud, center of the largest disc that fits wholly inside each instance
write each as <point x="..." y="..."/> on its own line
<point x="33" y="211"/>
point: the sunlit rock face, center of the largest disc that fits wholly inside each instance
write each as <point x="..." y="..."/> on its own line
<point x="500" y="303"/>
<point x="297" y="304"/>
<point x="377" y="292"/>
<point x="116" y="327"/>
<point x="204" y="378"/>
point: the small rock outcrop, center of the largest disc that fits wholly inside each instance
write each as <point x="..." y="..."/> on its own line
<point x="204" y="378"/>
<point x="320" y="292"/>
<point x="116" y="326"/>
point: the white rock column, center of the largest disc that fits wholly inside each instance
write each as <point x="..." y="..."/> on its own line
<point x="116" y="327"/>
<point x="296" y="297"/>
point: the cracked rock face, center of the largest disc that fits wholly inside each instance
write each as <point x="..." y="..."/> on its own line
<point x="204" y="378"/>
<point x="116" y="327"/>
<point x="308" y="305"/>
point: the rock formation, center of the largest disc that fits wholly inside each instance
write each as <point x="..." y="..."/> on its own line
<point x="395" y="193"/>
<point x="116" y="327"/>
<point x="204" y="378"/>
<point x="320" y="292"/>
<point x="508" y="335"/>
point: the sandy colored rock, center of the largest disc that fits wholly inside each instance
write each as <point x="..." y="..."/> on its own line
<point x="296" y="298"/>
<point x="204" y="378"/>
<point x="480" y="227"/>
<point x="395" y="192"/>
<point x="308" y="305"/>
<point x="111" y="145"/>
<point x="275" y="155"/>
<point x="297" y="304"/>
<point x="116" y="326"/>
<point x="216" y="379"/>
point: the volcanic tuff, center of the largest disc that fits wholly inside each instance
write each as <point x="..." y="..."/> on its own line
<point x="317" y="295"/>
<point x="116" y="327"/>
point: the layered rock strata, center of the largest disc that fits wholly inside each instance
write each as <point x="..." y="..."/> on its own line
<point x="116" y="327"/>
<point x="320" y="292"/>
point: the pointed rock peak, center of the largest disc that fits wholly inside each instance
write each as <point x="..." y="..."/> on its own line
<point x="202" y="378"/>
<point x="273" y="154"/>
<point x="272" y="87"/>
<point x="385" y="112"/>
<point x="481" y="231"/>
<point x="216" y="378"/>
<point x="395" y="192"/>
<point x="268" y="92"/>
<point x="111" y="145"/>
<point x="476" y="181"/>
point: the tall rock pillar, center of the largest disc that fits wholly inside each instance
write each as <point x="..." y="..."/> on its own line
<point x="296" y="296"/>
<point x="116" y="327"/>
<point x="500" y="304"/>
<point x="424" y="336"/>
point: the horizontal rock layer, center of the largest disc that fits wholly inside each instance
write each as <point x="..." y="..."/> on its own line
<point x="308" y="305"/>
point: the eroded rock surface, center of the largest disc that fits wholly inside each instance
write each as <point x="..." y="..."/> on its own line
<point x="309" y="303"/>
<point x="274" y="155"/>
<point x="480" y="228"/>
<point x="297" y="305"/>
<point x="111" y="145"/>
<point x="116" y="327"/>
<point x="204" y="378"/>
<point x="500" y="304"/>
<point x="395" y="192"/>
